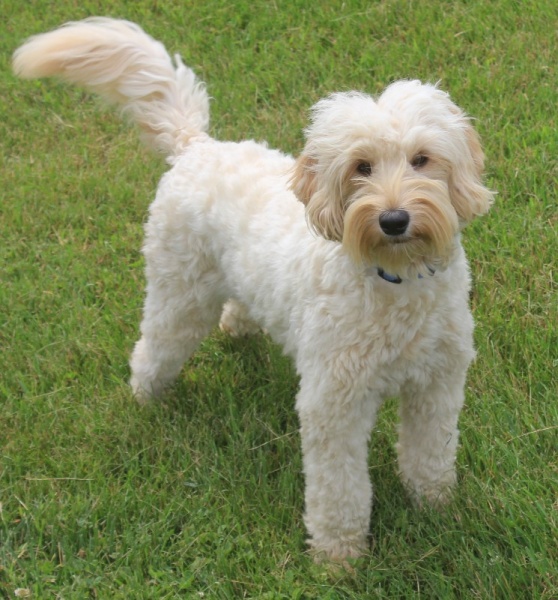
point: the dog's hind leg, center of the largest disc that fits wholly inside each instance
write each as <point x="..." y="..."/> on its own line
<point x="179" y="312"/>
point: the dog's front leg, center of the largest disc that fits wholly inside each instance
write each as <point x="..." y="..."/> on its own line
<point x="335" y="428"/>
<point x="428" y="437"/>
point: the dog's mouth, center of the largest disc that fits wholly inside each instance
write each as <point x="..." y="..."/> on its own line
<point x="395" y="241"/>
<point x="409" y="238"/>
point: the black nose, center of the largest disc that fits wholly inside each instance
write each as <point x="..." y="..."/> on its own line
<point x="394" y="222"/>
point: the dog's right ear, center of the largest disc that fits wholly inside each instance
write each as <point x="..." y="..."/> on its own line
<point x="303" y="180"/>
<point x="323" y="210"/>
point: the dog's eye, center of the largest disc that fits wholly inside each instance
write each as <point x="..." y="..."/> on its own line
<point x="364" y="168"/>
<point x="419" y="161"/>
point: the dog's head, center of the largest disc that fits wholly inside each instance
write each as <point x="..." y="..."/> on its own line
<point x="395" y="179"/>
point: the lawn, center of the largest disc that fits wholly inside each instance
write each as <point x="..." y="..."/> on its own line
<point x="201" y="496"/>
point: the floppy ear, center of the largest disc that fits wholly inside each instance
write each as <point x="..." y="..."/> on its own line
<point x="303" y="180"/>
<point x="324" y="211"/>
<point x="469" y="196"/>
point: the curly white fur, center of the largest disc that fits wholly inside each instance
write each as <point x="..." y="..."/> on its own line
<point x="375" y="305"/>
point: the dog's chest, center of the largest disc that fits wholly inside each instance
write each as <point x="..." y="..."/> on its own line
<point x="390" y="340"/>
<point x="400" y="334"/>
<point x="414" y="343"/>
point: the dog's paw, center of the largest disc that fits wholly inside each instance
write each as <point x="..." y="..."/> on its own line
<point x="337" y="552"/>
<point x="235" y="321"/>
<point x="435" y="495"/>
<point x="143" y="394"/>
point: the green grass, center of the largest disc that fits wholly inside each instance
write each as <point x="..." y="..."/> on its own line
<point x="202" y="496"/>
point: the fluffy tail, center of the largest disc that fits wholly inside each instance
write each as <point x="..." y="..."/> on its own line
<point x="125" y="66"/>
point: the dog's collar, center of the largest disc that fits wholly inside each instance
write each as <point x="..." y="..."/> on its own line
<point x="395" y="278"/>
<point x="388" y="277"/>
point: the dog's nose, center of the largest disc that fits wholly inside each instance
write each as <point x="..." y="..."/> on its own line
<point x="394" y="222"/>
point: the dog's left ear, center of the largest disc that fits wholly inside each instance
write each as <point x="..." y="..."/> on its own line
<point x="469" y="196"/>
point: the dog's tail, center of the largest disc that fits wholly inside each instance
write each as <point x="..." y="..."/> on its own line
<point x="120" y="62"/>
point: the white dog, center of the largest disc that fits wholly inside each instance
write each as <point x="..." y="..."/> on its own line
<point x="349" y="256"/>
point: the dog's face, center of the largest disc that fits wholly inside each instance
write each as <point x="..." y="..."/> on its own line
<point x="395" y="179"/>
